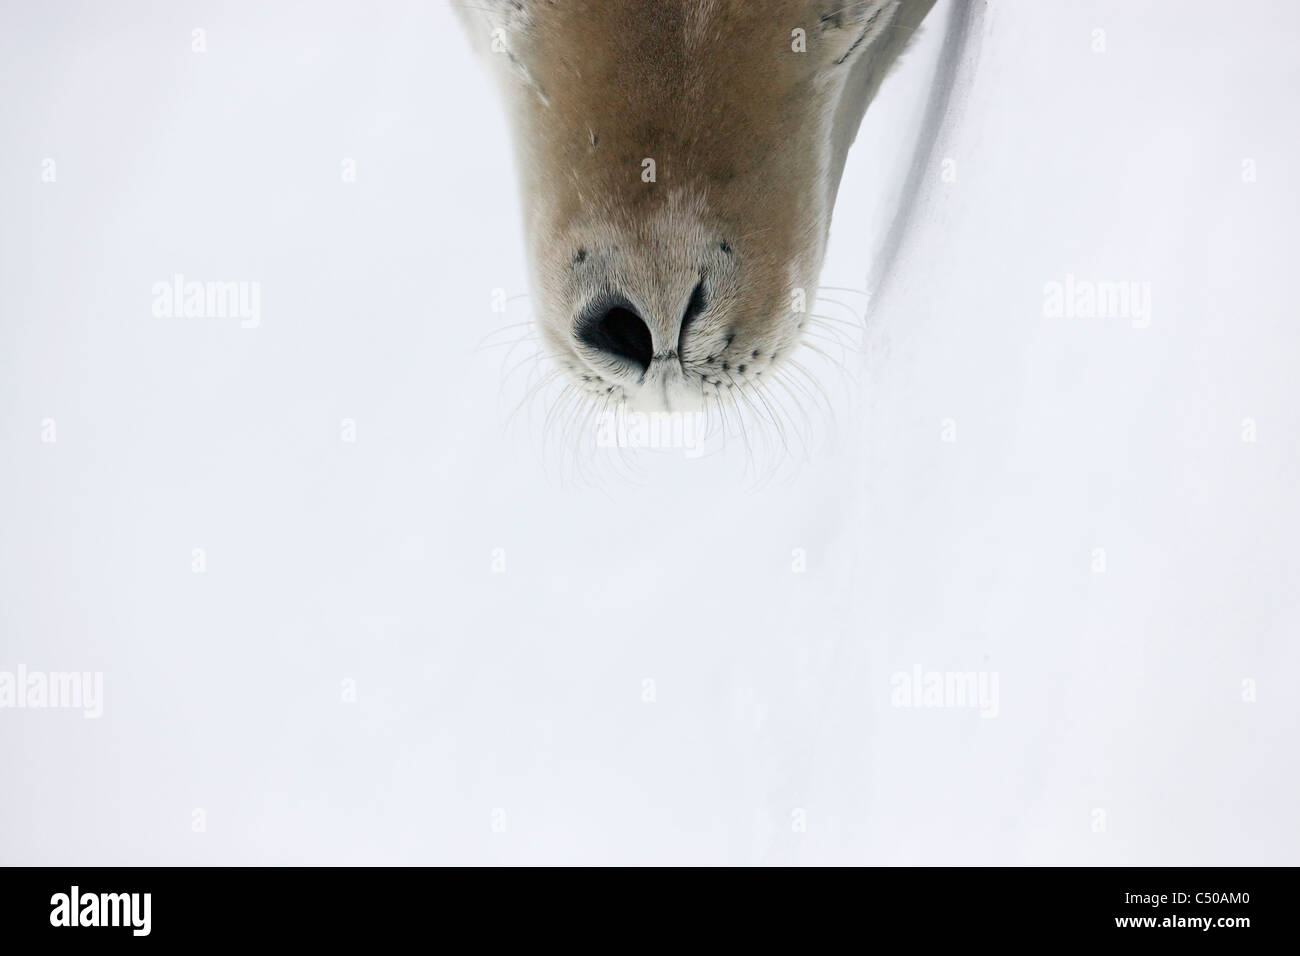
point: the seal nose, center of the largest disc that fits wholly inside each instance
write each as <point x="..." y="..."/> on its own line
<point x="620" y="332"/>
<point x="617" y="329"/>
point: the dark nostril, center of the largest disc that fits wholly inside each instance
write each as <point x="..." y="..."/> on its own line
<point x="621" y="332"/>
<point x="694" y="307"/>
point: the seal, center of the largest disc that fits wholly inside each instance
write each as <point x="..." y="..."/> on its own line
<point x="679" y="162"/>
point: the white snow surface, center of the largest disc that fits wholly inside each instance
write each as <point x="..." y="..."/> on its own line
<point x="1100" y="511"/>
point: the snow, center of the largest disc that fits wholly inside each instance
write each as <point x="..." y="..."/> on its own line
<point x="1099" y="511"/>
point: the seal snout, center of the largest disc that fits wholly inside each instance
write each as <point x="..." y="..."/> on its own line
<point x="615" y="330"/>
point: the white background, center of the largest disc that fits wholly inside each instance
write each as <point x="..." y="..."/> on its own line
<point x="522" y="692"/>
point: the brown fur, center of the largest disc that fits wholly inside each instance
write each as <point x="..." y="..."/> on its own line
<point x="743" y="133"/>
